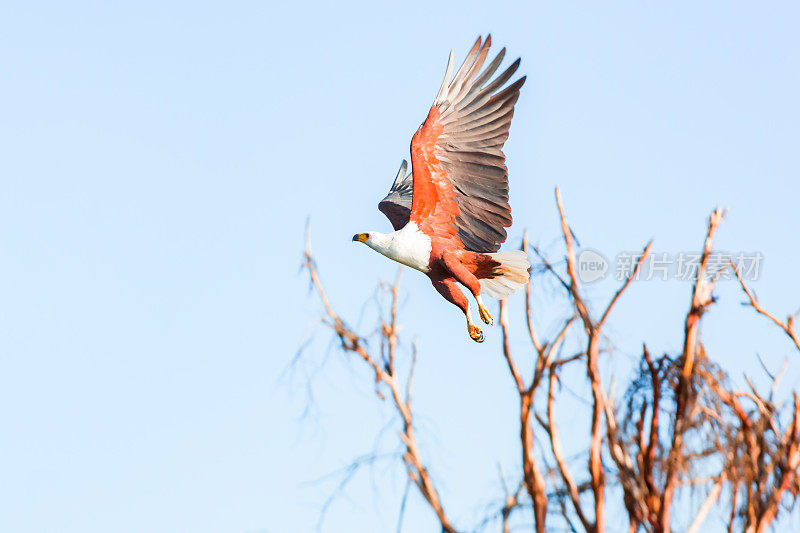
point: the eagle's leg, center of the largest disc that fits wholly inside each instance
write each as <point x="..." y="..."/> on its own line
<point x="448" y="288"/>
<point x="470" y="281"/>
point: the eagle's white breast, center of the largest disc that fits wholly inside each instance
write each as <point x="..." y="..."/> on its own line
<point x="408" y="246"/>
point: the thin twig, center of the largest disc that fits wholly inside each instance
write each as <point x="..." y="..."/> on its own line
<point x="787" y="327"/>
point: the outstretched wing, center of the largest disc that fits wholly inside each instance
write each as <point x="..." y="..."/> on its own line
<point x="397" y="204"/>
<point x="460" y="180"/>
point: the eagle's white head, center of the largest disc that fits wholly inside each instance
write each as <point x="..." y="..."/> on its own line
<point x="408" y="246"/>
<point x="374" y="239"/>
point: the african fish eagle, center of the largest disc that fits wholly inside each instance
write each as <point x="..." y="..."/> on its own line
<point x="450" y="212"/>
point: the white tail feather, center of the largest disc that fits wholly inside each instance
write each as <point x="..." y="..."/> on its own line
<point x="514" y="274"/>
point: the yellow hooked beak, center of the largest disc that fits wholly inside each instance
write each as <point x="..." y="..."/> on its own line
<point x="361" y="237"/>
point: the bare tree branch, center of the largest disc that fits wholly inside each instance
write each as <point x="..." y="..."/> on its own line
<point x="558" y="454"/>
<point x="740" y="443"/>
<point x="352" y="342"/>
<point x="701" y="515"/>
<point x="787" y="327"/>
<point x="701" y="299"/>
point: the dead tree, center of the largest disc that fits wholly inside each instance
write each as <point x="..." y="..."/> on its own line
<point x="679" y="426"/>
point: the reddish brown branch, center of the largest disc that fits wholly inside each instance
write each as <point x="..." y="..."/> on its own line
<point x="532" y="476"/>
<point x="790" y="460"/>
<point x="512" y="367"/>
<point x="528" y="304"/>
<point x="787" y="327"/>
<point x="701" y="299"/>
<point x="701" y="295"/>
<point x="352" y="342"/>
<point x="712" y="497"/>
<point x="593" y="329"/>
<point x="596" y="470"/>
<point x="558" y="454"/>
<point x="652" y="458"/>
<point x="639" y="262"/>
<point x="649" y="455"/>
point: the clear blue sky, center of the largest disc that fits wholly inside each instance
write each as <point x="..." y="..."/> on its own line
<point x="157" y="164"/>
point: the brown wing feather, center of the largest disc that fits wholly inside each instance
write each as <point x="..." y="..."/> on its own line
<point x="460" y="176"/>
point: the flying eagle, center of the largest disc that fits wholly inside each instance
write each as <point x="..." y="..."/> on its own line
<point x="451" y="211"/>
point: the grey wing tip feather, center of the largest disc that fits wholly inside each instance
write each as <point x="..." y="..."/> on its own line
<point x="447" y="74"/>
<point x="400" y="180"/>
<point x="401" y="174"/>
<point x="397" y="204"/>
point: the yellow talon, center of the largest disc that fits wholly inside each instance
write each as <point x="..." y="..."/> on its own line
<point x="486" y="316"/>
<point x="475" y="333"/>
